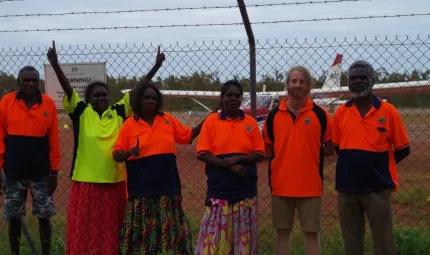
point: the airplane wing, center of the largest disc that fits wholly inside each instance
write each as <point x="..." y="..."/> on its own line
<point x="381" y="89"/>
<point x="331" y="88"/>
<point x="187" y="93"/>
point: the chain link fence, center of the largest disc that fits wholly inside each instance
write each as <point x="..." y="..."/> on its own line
<point x="205" y="66"/>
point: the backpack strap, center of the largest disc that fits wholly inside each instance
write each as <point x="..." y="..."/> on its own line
<point x="322" y="118"/>
<point x="270" y="134"/>
<point x="269" y="123"/>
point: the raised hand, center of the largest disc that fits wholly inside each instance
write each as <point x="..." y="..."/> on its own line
<point x="52" y="54"/>
<point x="160" y="57"/>
<point x="135" y="150"/>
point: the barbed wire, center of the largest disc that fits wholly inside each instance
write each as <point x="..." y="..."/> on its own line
<point x="176" y="9"/>
<point x="215" y="24"/>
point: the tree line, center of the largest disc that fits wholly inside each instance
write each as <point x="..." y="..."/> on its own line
<point x="211" y="81"/>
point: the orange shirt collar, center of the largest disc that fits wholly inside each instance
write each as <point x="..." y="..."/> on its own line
<point x="222" y="115"/>
<point x="39" y="96"/>
<point x="375" y="101"/>
<point x="308" y="106"/>
<point x="136" y="118"/>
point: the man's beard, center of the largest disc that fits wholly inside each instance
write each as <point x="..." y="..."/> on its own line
<point x="298" y="93"/>
<point x="361" y="93"/>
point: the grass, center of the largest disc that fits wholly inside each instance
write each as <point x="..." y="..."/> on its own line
<point x="415" y="196"/>
<point x="416" y="118"/>
<point x="407" y="240"/>
<point x="58" y="236"/>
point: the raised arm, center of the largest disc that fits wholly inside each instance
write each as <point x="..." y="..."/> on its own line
<point x="53" y="60"/>
<point x="148" y="77"/>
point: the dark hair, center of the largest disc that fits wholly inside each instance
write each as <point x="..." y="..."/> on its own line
<point x="229" y="83"/>
<point x="362" y="64"/>
<point x="24" y="69"/>
<point x="90" y="88"/>
<point x="136" y="100"/>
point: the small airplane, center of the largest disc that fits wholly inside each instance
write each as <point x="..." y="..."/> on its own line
<point x="328" y="96"/>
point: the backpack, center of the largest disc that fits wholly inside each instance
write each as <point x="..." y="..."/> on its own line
<point x="322" y="118"/>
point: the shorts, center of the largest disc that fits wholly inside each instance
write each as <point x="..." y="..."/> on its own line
<point x="309" y="209"/>
<point x="16" y="195"/>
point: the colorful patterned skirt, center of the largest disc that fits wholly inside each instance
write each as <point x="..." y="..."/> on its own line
<point x="94" y="218"/>
<point x="156" y="225"/>
<point x="229" y="229"/>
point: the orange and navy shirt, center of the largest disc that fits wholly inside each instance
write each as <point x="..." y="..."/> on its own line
<point x="29" y="141"/>
<point x="296" y="170"/>
<point x="224" y="138"/>
<point x="154" y="171"/>
<point x="368" y="148"/>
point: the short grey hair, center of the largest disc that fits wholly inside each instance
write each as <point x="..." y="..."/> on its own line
<point x="363" y="64"/>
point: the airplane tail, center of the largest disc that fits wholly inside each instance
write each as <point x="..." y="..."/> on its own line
<point x="334" y="74"/>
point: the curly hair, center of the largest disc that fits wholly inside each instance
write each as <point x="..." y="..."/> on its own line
<point x="363" y="64"/>
<point x="90" y="88"/>
<point x="136" y="100"/>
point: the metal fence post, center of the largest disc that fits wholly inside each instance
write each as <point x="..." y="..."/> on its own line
<point x="252" y="59"/>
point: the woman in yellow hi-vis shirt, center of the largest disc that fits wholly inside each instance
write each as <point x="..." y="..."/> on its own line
<point x="97" y="197"/>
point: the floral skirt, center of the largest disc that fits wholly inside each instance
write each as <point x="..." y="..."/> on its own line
<point x="229" y="229"/>
<point x="156" y="225"/>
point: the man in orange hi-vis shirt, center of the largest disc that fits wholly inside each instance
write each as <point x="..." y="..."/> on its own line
<point x="298" y="132"/>
<point x="370" y="139"/>
<point x="29" y="156"/>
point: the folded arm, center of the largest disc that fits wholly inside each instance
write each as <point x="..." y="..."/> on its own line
<point x="210" y="159"/>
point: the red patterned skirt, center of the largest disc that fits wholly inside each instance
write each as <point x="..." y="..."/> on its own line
<point x="94" y="218"/>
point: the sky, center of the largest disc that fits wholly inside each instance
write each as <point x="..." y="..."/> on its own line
<point x="379" y="27"/>
<point x="411" y="26"/>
